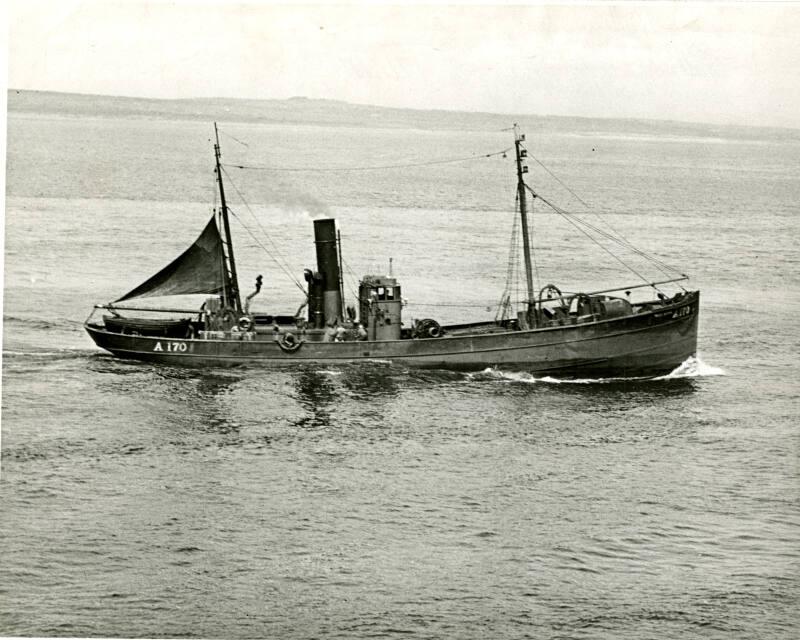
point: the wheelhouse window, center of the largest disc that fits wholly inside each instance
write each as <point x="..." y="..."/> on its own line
<point x="383" y="293"/>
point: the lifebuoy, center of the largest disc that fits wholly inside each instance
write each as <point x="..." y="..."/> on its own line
<point x="288" y="342"/>
<point x="245" y="324"/>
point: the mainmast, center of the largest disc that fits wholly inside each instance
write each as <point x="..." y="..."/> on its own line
<point x="231" y="291"/>
<point x="523" y="214"/>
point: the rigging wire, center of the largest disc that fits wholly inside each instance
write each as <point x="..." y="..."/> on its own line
<point x="537" y="280"/>
<point x="660" y="264"/>
<point x="488" y="305"/>
<point x="573" y="220"/>
<point x="260" y="244"/>
<point x="285" y="266"/>
<point x="372" y="168"/>
<point x="513" y="259"/>
<point x="512" y="274"/>
<point x="353" y="278"/>
<point x="223" y="265"/>
<point x="557" y="179"/>
<point x="214" y="190"/>
<point x="225" y="133"/>
<point x="518" y="299"/>
<point x="614" y="236"/>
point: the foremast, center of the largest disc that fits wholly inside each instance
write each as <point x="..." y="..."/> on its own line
<point x="230" y="293"/>
<point x="521" y="153"/>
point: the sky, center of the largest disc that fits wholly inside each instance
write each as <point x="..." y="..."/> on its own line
<point x="727" y="63"/>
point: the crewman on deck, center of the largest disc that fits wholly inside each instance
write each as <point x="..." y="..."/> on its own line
<point x="299" y="319"/>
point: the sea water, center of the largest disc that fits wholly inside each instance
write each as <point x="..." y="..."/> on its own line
<point x="373" y="500"/>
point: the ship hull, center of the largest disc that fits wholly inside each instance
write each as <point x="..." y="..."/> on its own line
<point x="646" y="343"/>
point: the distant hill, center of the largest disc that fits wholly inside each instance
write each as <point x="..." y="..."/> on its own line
<point x="302" y="110"/>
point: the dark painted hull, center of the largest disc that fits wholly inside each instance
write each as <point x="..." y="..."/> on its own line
<point x="647" y="343"/>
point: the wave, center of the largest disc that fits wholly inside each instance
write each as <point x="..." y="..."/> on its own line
<point x="60" y="354"/>
<point x="38" y="323"/>
<point x="692" y="367"/>
<point x="523" y="376"/>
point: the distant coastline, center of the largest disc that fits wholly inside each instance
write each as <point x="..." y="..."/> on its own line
<point x="311" y="111"/>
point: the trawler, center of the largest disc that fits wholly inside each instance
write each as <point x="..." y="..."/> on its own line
<point x="599" y="333"/>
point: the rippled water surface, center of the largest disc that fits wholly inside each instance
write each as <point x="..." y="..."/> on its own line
<point x="371" y="500"/>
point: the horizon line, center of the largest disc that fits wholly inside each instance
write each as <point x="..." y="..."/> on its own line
<point x="413" y="109"/>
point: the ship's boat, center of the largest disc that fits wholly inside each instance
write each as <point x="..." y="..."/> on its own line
<point x="167" y="328"/>
<point x="598" y="332"/>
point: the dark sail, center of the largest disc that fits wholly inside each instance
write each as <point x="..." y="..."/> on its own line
<point x="199" y="269"/>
